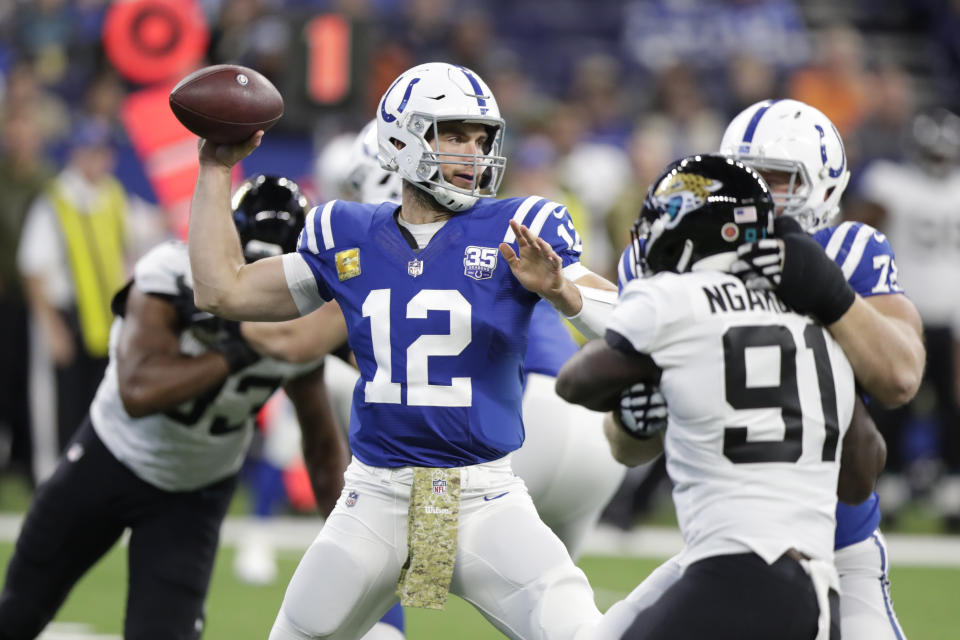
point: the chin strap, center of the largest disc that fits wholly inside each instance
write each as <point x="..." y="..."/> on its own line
<point x="595" y="312"/>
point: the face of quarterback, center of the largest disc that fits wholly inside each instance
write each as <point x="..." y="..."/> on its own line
<point x="461" y="138"/>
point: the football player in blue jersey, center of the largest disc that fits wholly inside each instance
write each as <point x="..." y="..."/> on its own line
<point x="564" y="461"/>
<point x="437" y="295"/>
<point x="799" y="152"/>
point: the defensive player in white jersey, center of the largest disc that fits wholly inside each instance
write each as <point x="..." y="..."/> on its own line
<point x="796" y="148"/>
<point x="564" y="461"/>
<point x="759" y="401"/>
<point x="437" y="295"/>
<point x="166" y="435"/>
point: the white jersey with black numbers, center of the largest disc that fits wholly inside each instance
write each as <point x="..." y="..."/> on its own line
<point x="923" y="222"/>
<point x="759" y="398"/>
<point x="202" y="440"/>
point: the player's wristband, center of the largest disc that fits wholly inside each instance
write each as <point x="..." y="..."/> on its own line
<point x="813" y="283"/>
<point x="237" y="353"/>
<point x="594" y="313"/>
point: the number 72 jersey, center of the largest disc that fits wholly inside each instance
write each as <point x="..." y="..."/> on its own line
<point x="439" y="333"/>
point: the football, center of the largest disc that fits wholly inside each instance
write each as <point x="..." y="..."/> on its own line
<point x="226" y="103"/>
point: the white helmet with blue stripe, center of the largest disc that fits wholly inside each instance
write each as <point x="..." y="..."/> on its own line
<point x="407" y="119"/>
<point x="366" y="179"/>
<point x="793" y="137"/>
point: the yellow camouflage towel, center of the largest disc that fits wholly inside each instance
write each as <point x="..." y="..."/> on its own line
<point x="431" y="538"/>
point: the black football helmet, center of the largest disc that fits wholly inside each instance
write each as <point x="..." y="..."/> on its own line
<point x="701" y="206"/>
<point x="269" y="212"/>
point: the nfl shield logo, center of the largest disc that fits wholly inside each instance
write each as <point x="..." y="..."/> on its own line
<point x="415" y="267"/>
<point x="440" y="486"/>
<point x="351" y="498"/>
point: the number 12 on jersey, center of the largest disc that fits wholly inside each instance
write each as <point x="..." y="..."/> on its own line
<point x="420" y="392"/>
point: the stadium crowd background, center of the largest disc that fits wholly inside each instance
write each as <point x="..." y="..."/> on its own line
<point x="598" y="96"/>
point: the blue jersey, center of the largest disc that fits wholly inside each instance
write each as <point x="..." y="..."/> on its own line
<point x="627" y="268"/>
<point x="867" y="260"/>
<point x="439" y="333"/>
<point x="550" y="344"/>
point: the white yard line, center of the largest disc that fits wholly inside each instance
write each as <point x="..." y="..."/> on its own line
<point x="73" y="631"/>
<point x="296" y="534"/>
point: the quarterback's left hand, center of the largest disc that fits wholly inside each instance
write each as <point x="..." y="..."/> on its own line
<point x="537" y="267"/>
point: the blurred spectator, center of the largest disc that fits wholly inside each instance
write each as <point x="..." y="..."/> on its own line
<point x="23" y="173"/>
<point x="43" y="32"/>
<point x="521" y="104"/>
<point x="596" y="173"/>
<point x="471" y="41"/>
<point x="914" y="202"/>
<point x="681" y="112"/>
<point x="650" y="151"/>
<point x="882" y="133"/>
<point x="748" y="80"/>
<point x="837" y="82"/>
<point x="597" y="91"/>
<point x="251" y="33"/>
<point x="104" y="99"/>
<point x="426" y="28"/>
<point x="71" y="256"/>
<point x="23" y="92"/>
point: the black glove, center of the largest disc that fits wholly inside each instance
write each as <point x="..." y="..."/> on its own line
<point x="643" y="411"/>
<point x="233" y="347"/>
<point x="796" y="267"/>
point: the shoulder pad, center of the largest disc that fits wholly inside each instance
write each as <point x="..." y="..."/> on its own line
<point x="337" y="223"/>
<point x="163" y="268"/>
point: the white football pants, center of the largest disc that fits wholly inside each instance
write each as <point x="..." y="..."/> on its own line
<point x="509" y="564"/>
<point x="565" y="462"/>
<point x="866" y="610"/>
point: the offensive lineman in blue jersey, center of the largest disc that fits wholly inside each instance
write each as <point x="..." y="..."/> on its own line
<point x="798" y="151"/>
<point x="438" y="324"/>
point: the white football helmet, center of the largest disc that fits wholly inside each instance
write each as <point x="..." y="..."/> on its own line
<point x="332" y="167"/>
<point x="795" y="138"/>
<point x="408" y="114"/>
<point x="366" y="179"/>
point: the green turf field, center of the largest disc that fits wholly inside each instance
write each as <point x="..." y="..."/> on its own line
<point x="925" y="600"/>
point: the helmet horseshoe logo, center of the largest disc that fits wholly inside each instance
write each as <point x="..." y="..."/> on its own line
<point x="389" y="117"/>
<point x="834" y="173"/>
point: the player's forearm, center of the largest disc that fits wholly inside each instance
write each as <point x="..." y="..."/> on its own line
<point x="325" y="452"/>
<point x="307" y="338"/>
<point x="160" y="382"/>
<point x="886" y="354"/>
<point x="587" y="303"/>
<point x="864" y="456"/>
<point x="215" y="253"/>
<point x="565" y="299"/>
<point x="596" y="374"/>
